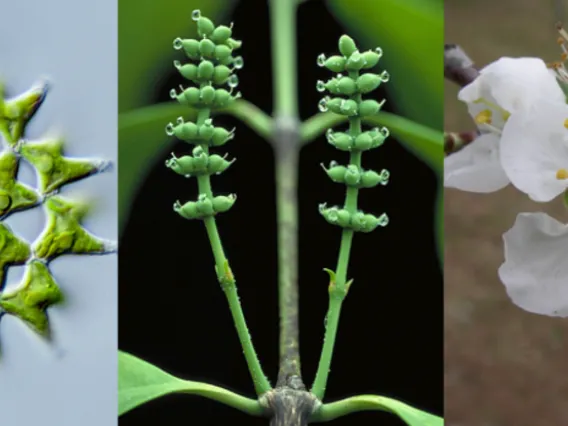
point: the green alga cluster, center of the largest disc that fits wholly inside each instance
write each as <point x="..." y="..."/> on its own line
<point x="63" y="232"/>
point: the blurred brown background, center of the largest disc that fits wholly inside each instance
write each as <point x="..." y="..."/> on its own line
<point x="504" y="366"/>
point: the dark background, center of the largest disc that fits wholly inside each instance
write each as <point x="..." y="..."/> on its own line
<point x="174" y="315"/>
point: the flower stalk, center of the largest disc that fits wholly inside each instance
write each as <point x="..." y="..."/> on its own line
<point x="214" y="52"/>
<point x="348" y="101"/>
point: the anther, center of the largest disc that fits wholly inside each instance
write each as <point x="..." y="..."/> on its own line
<point x="484" y="117"/>
<point x="562" y="174"/>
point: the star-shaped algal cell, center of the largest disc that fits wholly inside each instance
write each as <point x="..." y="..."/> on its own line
<point x="14" y="195"/>
<point x="16" y="112"/>
<point x="13" y="251"/>
<point x="55" y="170"/>
<point x="30" y="300"/>
<point x="63" y="232"/>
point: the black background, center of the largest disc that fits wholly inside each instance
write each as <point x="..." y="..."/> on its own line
<point x="173" y="313"/>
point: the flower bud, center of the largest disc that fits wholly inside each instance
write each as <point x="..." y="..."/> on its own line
<point x="186" y="131"/>
<point x="207" y="95"/>
<point x="346" y="86"/>
<point x="189" y="97"/>
<point x="233" y="44"/>
<point x="339" y="140"/>
<point x="206" y="131"/>
<point x="347" y="45"/>
<point x="352" y="175"/>
<point x="370" y="222"/>
<point x="336" y="173"/>
<point x="371" y="59"/>
<point x="205" y="70"/>
<point x="221" y="74"/>
<point x="341" y="106"/>
<point x="379" y="136"/>
<point x="190" y="47"/>
<point x="355" y="62"/>
<point x="206" y="48"/>
<point x="188" y="71"/>
<point x="205" y="206"/>
<point x="368" y="82"/>
<point x="184" y="165"/>
<point x="222" y="98"/>
<point x="357" y="221"/>
<point x="200" y="159"/>
<point x="369" y="108"/>
<point x="220" y="136"/>
<point x="221" y="34"/>
<point x="222" y="52"/>
<point x="343" y="218"/>
<point x="187" y="210"/>
<point x="363" y="141"/>
<point x="205" y="26"/>
<point x="217" y="164"/>
<point x="370" y="179"/>
<point x="223" y="203"/>
<point x="335" y="63"/>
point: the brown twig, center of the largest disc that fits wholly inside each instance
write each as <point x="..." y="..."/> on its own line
<point x="458" y="67"/>
<point x="454" y="141"/>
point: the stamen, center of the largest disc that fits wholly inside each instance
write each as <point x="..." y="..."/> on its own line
<point x="504" y="113"/>
<point x="558" y="66"/>
<point x="484" y="117"/>
<point x="566" y="123"/>
<point x="562" y="31"/>
<point x="562" y="174"/>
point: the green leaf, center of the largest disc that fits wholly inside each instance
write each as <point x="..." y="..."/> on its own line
<point x="411" y="34"/>
<point x="411" y="416"/>
<point x="565" y="198"/>
<point x="146" y="30"/>
<point x="141" y="140"/>
<point x="425" y="142"/>
<point x="140" y="382"/>
<point x="440" y="224"/>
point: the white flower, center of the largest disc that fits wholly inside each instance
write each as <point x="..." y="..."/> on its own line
<point x="534" y="150"/>
<point x="535" y="271"/>
<point x="504" y="87"/>
<point x="477" y="167"/>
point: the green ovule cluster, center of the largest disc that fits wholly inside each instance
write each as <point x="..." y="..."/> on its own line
<point x="347" y="90"/>
<point x="63" y="233"/>
<point x="214" y="67"/>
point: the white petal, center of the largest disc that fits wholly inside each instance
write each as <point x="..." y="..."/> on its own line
<point x="514" y="84"/>
<point x="476" y="168"/>
<point x="535" y="272"/>
<point x="534" y="146"/>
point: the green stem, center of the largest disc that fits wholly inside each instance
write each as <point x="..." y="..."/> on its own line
<point x="228" y="283"/>
<point x="285" y="141"/>
<point x="287" y="223"/>
<point x="283" y="26"/>
<point x="338" y="287"/>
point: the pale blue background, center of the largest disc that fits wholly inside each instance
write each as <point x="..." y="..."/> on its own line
<point x="73" y="382"/>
